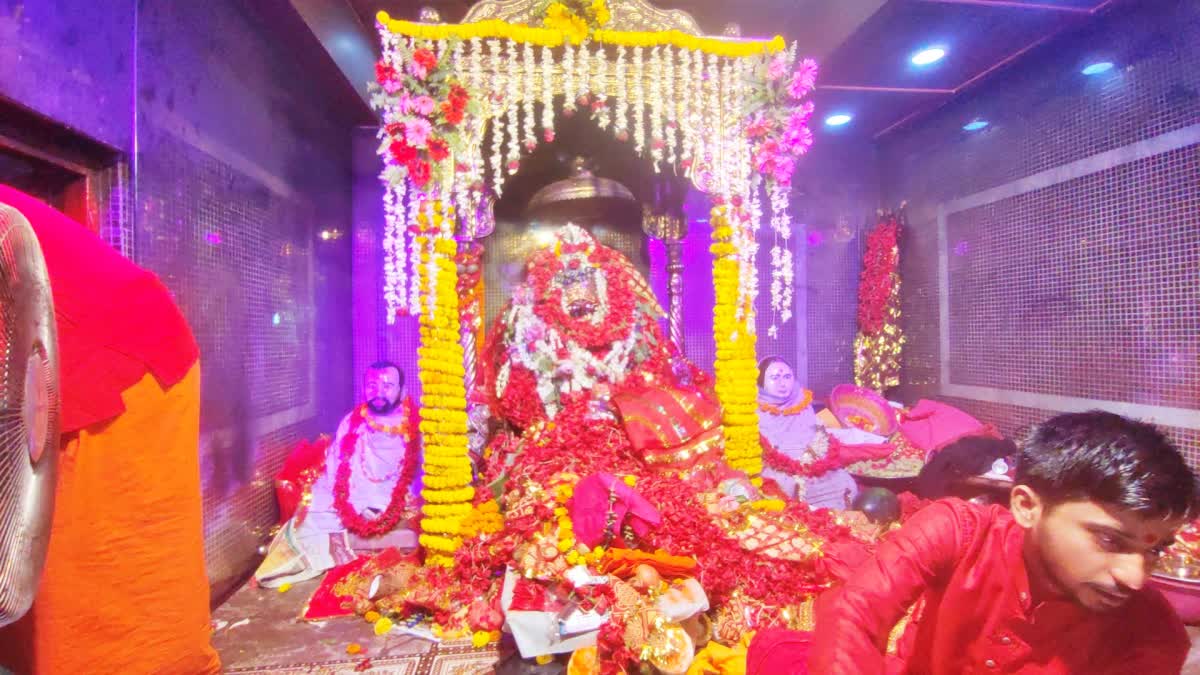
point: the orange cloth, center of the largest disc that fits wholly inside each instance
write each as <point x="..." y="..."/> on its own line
<point x="623" y="562"/>
<point x="124" y="588"/>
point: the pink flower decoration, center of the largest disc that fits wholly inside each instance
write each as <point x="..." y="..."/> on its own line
<point x="417" y="131"/>
<point x="405" y="103"/>
<point x="785" y="166"/>
<point x="778" y="67"/>
<point x="803" y="80"/>
<point x="424" y="105"/>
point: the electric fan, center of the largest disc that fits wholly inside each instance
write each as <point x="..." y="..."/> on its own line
<point x="29" y="413"/>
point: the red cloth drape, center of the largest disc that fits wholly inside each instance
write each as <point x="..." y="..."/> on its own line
<point x="116" y="321"/>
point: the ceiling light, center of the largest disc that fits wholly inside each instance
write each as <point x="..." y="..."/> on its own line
<point x="975" y="125"/>
<point x="838" y="119"/>
<point x="1097" y="68"/>
<point x="928" y="55"/>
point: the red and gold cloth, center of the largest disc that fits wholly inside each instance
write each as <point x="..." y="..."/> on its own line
<point x="674" y="429"/>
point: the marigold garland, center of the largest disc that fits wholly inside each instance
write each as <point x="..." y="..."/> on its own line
<point x="556" y="37"/>
<point x="735" y="342"/>
<point x="447" y="490"/>
<point x="796" y="409"/>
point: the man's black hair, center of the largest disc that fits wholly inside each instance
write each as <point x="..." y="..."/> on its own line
<point x="1108" y="459"/>
<point x="381" y="365"/>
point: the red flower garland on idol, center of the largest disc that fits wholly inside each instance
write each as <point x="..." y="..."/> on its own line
<point x="387" y="521"/>
<point x="775" y="459"/>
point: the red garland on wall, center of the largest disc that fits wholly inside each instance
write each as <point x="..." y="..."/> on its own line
<point x="879" y="341"/>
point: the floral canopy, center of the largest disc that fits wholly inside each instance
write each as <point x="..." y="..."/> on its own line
<point x="462" y="104"/>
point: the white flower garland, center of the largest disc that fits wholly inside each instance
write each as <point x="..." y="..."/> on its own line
<point x="639" y="101"/>
<point x="657" y="142"/>
<point x="670" y="126"/>
<point x="547" y="95"/>
<point x="621" y="93"/>
<point x="529" y="94"/>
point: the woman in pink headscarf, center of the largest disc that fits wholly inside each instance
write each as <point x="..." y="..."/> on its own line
<point x="790" y="430"/>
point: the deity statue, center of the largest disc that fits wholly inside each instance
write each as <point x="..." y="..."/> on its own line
<point x="612" y="528"/>
<point x="366" y="493"/>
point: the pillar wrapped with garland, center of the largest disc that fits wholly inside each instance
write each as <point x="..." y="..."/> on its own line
<point x="880" y="339"/>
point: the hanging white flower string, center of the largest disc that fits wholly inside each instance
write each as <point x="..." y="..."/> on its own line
<point x="621" y="93"/>
<point x="529" y="95"/>
<point x="600" y="89"/>
<point x="683" y="109"/>
<point x="547" y="95"/>
<point x="568" y="73"/>
<point x="656" y="108"/>
<point x="583" y="75"/>
<point x="639" y="101"/>
<point x="512" y="107"/>
<point x="669" y="126"/>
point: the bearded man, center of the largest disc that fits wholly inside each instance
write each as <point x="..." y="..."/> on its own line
<point x="367" y="495"/>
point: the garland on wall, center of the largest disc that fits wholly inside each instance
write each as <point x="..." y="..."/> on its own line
<point x="880" y="339"/>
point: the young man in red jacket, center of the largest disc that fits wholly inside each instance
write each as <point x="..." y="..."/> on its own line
<point x="1055" y="585"/>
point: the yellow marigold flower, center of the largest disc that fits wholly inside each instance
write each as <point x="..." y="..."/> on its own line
<point x="285" y="587"/>
<point x="354" y="648"/>
<point x="630" y="480"/>
<point x="372" y="616"/>
<point x="383" y="626"/>
<point x="480" y="638"/>
<point x="544" y="659"/>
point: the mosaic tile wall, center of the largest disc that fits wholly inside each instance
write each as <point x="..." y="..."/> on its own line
<point x="243" y="160"/>
<point x="1077" y="278"/>
<point x="836" y="195"/>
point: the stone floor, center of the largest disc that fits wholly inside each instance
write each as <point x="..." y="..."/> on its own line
<point x="259" y="631"/>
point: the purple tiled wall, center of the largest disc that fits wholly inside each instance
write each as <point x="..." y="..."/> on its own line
<point x="836" y="196"/>
<point x="72" y="61"/>
<point x="1070" y="229"/>
<point x="243" y="158"/>
<point x="239" y="156"/>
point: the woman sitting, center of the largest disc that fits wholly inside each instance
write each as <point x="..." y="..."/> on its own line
<point x="792" y="444"/>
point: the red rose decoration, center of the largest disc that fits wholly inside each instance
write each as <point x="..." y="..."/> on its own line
<point x="459" y="95"/>
<point x="418" y="172"/>
<point x="425" y="58"/>
<point x="438" y="150"/>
